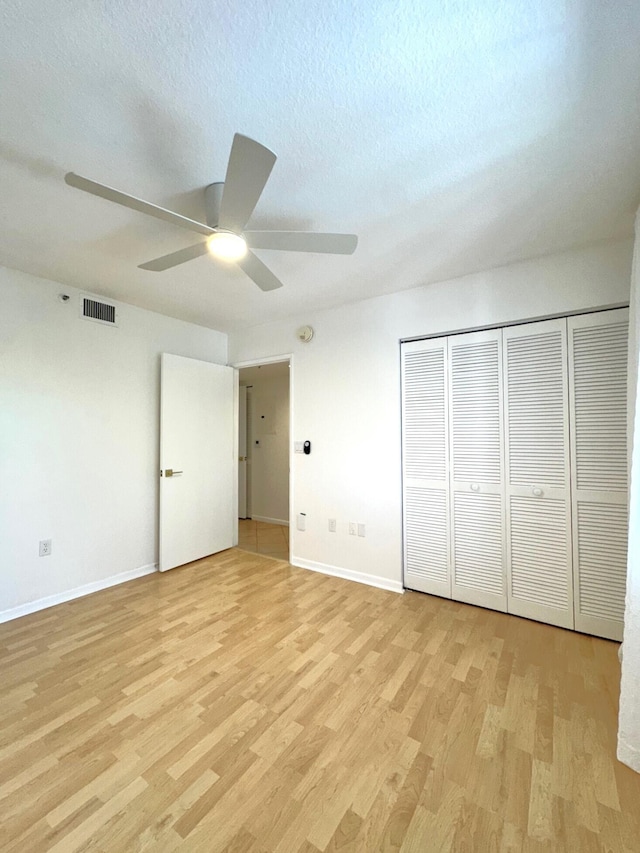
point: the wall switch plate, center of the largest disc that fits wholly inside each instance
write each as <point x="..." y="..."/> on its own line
<point x="302" y="521"/>
<point x="298" y="446"/>
<point x="332" y="525"/>
<point x="352" y="528"/>
<point x="360" y="529"/>
<point x="45" y="547"/>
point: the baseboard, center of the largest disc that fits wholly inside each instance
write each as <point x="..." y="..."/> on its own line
<point x="78" y="592"/>
<point x="282" y="521"/>
<point x="348" y="574"/>
<point x="629" y="755"/>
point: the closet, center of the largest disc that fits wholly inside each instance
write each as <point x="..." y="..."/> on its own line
<point x="515" y="469"/>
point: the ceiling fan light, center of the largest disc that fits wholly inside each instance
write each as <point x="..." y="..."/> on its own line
<point x="227" y="246"/>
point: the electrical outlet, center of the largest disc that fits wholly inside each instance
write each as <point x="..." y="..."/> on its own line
<point x="360" y="529"/>
<point x="45" y="547"/>
<point x="332" y="525"/>
<point x="301" y="521"/>
<point x="352" y="528"/>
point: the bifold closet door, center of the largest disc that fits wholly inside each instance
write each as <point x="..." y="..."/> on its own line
<point x="425" y="436"/>
<point x="598" y="401"/>
<point x="538" y="511"/>
<point x="478" y="573"/>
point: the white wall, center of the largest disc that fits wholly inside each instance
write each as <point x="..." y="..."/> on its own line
<point x="346" y="391"/>
<point x="79" y="408"/>
<point x="629" y="724"/>
<point x="269" y="459"/>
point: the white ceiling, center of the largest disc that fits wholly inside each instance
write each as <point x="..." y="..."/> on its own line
<point x="451" y="136"/>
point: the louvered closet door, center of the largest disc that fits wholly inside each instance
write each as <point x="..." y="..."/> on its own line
<point x="539" y="574"/>
<point x="476" y="469"/>
<point x="424" y="456"/>
<point x="598" y="407"/>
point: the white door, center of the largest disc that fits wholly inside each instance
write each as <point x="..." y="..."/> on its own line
<point x="198" y="458"/>
<point x="538" y="511"/>
<point x="598" y="392"/>
<point x="477" y="469"/>
<point x="242" y="452"/>
<point x="425" y="432"/>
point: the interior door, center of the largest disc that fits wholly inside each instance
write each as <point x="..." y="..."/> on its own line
<point x="425" y="430"/>
<point x="242" y="452"/>
<point x="198" y="460"/>
<point x="538" y="511"/>
<point x="598" y="394"/>
<point x="476" y="469"/>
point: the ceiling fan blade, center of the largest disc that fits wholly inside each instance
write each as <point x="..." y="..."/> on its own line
<point x="260" y="273"/>
<point x="302" y="241"/>
<point x="175" y="258"/>
<point x="134" y="203"/>
<point x="248" y="170"/>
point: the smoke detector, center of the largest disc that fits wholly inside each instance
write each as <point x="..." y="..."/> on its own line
<point x="304" y="334"/>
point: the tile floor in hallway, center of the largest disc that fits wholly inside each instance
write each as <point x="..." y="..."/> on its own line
<point x="262" y="538"/>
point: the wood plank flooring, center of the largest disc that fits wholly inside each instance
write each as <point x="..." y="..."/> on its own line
<point x="239" y="704"/>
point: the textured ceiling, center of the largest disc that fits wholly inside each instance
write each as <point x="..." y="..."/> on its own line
<point x="451" y="136"/>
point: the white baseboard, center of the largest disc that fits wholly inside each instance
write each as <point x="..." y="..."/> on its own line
<point x="629" y="755"/>
<point x="78" y="592"/>
<point x="284" y="522"/>
<point x="348" y="574"/>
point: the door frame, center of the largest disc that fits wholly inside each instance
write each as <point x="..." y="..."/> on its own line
<point x="274" y="359"/>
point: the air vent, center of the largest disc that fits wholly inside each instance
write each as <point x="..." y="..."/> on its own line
<point x="99" y="312"/>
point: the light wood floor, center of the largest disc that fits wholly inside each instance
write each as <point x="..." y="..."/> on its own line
<point x="263" y="538"/>
<point x="240" y="704"/>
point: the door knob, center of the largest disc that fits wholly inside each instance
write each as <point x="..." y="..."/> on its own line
<point x="537" y="492"/>
<point x="475" y="487"/>
<point x="169" y="472"/>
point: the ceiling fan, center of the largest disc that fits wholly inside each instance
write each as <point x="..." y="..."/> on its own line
<point x="228" y="207"/>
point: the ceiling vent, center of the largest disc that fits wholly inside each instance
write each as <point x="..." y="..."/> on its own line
<point x="98" y="312"/>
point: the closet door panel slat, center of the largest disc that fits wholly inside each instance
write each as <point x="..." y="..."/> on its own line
<point x="598" y="404"/>
<point x="539" y="567"/>
<point x="425" y="449"/>
<point x="478" y="574"/>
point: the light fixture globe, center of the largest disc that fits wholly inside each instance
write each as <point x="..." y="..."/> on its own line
<point x="227" y="246"/>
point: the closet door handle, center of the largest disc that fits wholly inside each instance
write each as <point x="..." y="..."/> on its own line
<point x="475" y="487"/>
<point x="536" y="491"/>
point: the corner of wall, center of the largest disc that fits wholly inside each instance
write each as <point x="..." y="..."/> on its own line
<point x="629" y="717"/>
<point x="348" y="574"/>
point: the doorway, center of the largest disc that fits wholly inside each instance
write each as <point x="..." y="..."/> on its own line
<point x="263" y="489"/>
